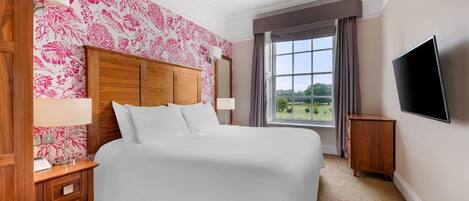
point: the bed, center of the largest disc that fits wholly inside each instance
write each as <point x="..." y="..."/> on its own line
<point x="224" y="163"/>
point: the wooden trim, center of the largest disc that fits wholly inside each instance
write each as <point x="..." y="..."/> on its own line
<point x="62" y="170"/>
<point x="90" y="185"/>
<point x="7" y="160"/>
<point x="231" y="82"/>
<point x="215" y="65"/>
<point x="369" y="117"/>
<point x="137" y="57"/>
<point x="23" y="99"/>
<point x="92" y="63"/>
<point x="7" y="46"/>
<point x="143" y="83"/>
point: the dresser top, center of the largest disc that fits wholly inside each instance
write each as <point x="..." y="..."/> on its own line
<point x="369" y="117"/>
<point x="62" y="170"/>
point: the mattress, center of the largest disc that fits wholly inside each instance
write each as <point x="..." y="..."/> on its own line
<point x="227" y="163"/>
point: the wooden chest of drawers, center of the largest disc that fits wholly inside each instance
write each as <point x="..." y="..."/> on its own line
<point x="66" y="182"/>
<point x="371" y="142"/>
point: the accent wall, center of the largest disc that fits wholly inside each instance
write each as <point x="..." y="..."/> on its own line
<point x="138" y="27"/>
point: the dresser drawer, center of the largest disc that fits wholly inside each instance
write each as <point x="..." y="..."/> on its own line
<point x="71" y="187"/>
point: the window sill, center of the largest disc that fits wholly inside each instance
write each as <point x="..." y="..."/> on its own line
<point x="303" y="125"/>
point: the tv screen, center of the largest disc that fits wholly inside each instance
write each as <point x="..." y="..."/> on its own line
<point x="419" y="82"/>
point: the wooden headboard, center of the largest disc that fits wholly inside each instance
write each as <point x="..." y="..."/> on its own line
<point x="128" y="79"/>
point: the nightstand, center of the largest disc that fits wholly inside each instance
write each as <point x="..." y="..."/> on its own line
<point x="370" y="141"/>
<point x="66" y="182"/>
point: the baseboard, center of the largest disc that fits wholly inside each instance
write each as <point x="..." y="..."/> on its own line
<point x="329" y="149"/>
<point x="405" y="189"/>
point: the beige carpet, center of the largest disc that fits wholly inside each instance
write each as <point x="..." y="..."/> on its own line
<point x="337" y="183"/>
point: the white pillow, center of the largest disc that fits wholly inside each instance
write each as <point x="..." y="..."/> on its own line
<point x="152" y="124"/>
<point x="200" y="117"/>
<point x="124" y="121"/>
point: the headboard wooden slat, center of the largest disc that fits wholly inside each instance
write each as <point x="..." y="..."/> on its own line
<point x="129" y="79"/>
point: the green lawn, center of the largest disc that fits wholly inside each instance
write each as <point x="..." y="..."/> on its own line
<point x="299" y="113"/>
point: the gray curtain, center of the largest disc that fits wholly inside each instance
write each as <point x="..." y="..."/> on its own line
<point x="346" y="83"/>
<point x="258" y="118"/>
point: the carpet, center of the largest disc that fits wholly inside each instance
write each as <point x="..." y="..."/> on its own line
<point x="337" y="183"/>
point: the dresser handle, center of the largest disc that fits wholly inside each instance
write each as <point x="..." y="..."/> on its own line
<point x="67" y="189"/>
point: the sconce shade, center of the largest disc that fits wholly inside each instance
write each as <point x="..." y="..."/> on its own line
<point x="215" y="52"/>
<point x="225" y="103"/>
<point x="65" y="3"/>
<point x="62" y="112"/>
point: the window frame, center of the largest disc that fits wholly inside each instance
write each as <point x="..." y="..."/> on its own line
<point x="273" y="79"/>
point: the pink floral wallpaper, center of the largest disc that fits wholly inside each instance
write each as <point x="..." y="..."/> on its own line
<point x="137" y="27"/>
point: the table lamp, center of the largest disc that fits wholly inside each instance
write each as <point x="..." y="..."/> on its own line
<point x="225" y="104"/>
<point x="61" y="113"/>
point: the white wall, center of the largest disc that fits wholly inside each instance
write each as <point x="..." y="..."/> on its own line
<point x="431" y="156"/>
<point x="370" y="61"/>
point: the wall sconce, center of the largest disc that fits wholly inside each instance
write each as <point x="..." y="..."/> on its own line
<point x="214" y="53"/>
<point x="42" y="6"/>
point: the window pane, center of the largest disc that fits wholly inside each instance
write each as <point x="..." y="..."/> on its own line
<point x="322" y="43"/>
<point x="283" y="108"/>
<point x="303" y="62"/>
<point x="283" y="86"/>
<point x="322" y="85"/>
<point x="302" y="108"/>
<point x="322" y="61"/>
<point x="283" y="47"/>
<point x="283" y="64"/>
<point x="301" y="84"/>
<point x="322" y="109"/>
<point x="302" y="45"/>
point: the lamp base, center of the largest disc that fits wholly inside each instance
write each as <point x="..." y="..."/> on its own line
<point x="66" y="162"/>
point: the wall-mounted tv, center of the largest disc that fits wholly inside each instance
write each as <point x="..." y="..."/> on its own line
<point x="420" y="83"/>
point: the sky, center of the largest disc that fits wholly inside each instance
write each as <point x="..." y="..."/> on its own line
<point x="322" y="62"/>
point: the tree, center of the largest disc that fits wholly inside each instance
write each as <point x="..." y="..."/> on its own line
<point x="316" y="108"/>
<point x="282" y="104"/>
<point x="320" y="89"/>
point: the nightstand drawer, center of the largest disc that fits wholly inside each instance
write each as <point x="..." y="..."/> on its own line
<point x="70" y="182"/>
<point x="67" y="188"/>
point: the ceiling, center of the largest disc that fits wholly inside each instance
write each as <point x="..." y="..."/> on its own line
<point x="232" y="19"/>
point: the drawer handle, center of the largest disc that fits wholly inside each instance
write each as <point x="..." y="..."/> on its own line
<point x="67" y="189"/>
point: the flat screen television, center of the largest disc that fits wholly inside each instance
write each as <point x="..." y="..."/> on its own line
<point x="420" y="83"/>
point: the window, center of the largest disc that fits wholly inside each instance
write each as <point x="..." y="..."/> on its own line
<point x="302" y="81"/>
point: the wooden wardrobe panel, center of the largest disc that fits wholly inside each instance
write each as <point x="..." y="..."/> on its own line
<point x="6" y="133"/>
<point x="16" y="100"/>
<point x="186" y="93"/>
<point x="6" y="20"/>
<point x="157" y="84"/>
<point x="6" y="181"/>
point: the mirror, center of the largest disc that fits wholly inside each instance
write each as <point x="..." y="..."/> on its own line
<point x="223" y="76"/>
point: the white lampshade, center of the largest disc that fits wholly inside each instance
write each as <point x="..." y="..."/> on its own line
<point x="65" y="3"/>
<point x="214" y="52"/>
<point x="225" y="103"/>
<point x="62" y="112"/>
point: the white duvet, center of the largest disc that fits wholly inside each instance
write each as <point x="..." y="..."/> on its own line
<point x="222" y="164"/>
